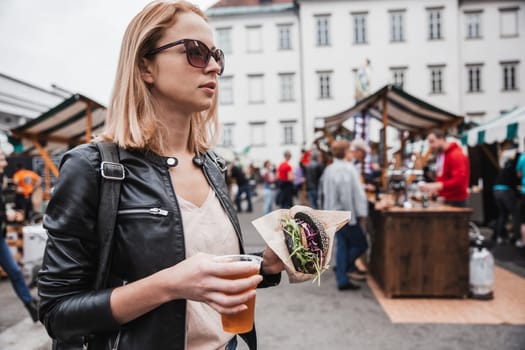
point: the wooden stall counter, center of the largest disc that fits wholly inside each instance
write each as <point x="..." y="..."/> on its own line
<point x="421" y="251"/>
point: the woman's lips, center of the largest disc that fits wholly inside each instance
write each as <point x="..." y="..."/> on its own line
<point x="209" y="88"/>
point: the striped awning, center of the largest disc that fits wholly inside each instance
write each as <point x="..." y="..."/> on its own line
<point x="510" y="126"/>
<point x="61" y="127"/>
<point x="404" y="112"/>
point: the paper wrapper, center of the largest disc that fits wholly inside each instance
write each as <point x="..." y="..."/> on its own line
<point x="269" y="227"/>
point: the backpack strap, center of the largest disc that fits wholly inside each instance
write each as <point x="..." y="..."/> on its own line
<point x="112" y="174"/>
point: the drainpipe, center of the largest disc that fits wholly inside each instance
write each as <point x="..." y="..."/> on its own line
<point x="301" y="71"/>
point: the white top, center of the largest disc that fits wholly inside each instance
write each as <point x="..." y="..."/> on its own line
<point x="207" y="229"/>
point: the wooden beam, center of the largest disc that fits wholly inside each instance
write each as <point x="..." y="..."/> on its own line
<point x="47" y="190"/>
<point x="88" y="122"/>
<point x="385" y="141"/>
<point x="57" y="139"/>
<point x="45" y="156"/>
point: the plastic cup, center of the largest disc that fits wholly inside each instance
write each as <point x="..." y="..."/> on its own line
<point x="240" y="322"/>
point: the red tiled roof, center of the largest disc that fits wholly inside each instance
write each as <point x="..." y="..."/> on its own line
<point x="235" y="3"/>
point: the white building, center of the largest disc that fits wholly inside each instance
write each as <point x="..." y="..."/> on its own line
<point x="260" y="90"/>
<point x="290" y="63"/>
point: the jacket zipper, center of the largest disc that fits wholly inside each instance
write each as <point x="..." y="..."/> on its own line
<point x="152" y="211"/>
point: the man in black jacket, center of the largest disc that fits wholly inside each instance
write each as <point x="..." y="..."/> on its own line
<point x="506" y="196"/>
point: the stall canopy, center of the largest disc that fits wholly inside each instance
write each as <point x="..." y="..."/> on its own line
<point x="510" y="126"/>
<point x="68" y="124"/>
<point x="396" y="108"/>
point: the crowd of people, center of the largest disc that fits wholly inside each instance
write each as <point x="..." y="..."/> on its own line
<point x="337" y="181"/>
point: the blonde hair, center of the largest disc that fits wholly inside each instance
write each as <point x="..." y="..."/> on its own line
<point x="132" y="121"/>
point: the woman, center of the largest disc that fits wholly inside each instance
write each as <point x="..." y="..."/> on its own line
<point x="164" y="292"/>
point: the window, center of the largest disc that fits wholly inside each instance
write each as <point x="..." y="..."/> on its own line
<point x="257" y="135"/>
<point x="254" y="37"/>
<point x="473" y="20"/>
<point x="288" y="132"/>
<point x="226" y="90"/>
<point x="474" y="77"/>
<point x="224" y="39"/>
<point x="397" y="26"/>
<point x="398" y="76"/>
<point x="255" y="88"/>
<point x="227" y="134"/>
<point x="359" y="20"/>
<point x="509" y="71"/>
<point x="322" y="30"/>
<point x="287" y="86"/>
<point x="285" y="36"/>
<point x="325" y="88"/>
<point x="436" y="79"/>
<point x="435" y="19"/>
<point x="508" y="18"/>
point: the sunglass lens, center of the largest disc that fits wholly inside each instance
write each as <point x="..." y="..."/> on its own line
<point x="198" y="54"/>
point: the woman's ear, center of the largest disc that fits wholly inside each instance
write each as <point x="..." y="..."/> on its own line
<point x="146" y="69"/>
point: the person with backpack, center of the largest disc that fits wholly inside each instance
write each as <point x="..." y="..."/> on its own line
<point x="163" y="289"/>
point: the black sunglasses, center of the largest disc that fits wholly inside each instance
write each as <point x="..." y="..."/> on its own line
<point x="197" y="53"/>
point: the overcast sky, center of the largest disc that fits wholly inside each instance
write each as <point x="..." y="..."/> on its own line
<point x="74" y="44"/>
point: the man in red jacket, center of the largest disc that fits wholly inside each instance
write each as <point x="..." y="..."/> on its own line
<point x="452" y="169"/>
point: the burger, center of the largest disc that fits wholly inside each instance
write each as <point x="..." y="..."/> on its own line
<point x="307" y="242"/>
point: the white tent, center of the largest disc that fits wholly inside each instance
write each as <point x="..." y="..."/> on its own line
<point x="510" y="126"/>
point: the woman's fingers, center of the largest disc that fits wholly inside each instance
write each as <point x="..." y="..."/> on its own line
<point x="230" y="303"/>
<point x="239" y="268"/>
<point x="227" y="311"/>
<point x="237" y="286"/>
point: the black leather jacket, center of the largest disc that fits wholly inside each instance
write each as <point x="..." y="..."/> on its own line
<point x="149" y="237"/>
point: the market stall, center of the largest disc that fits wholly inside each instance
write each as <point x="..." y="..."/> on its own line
<point x="70" y="123"/>
<point x="397" y="109"/>
<point x="412" y="253"/>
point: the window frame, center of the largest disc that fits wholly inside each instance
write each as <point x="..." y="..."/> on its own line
<point x="288" y="125"/>
<point x="230" y="127"/>
<point x="288" y="27"/>
<point x="469" y="14"/>
<point x="222" y="89"/>
<point x="259" y="30"/>
<point x="472" y="86"/>
<point x="227" y="49"/>
<point x="327" y="74"/>
<point x="250" y="92"/>
<point x="403" y="70"/>
<point x="360" y="27"/>
<point x="320" y="40"/>
<point x="253" y="125"/>
<point x="431" y="26"/>
<point x="291" y="87"/>
<point x="515" y="10"/>
<point x="515" y="75"/>
<point x="441" y="69"/>
<point x="401" y="23"/>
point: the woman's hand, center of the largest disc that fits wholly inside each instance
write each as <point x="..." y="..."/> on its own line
<point x="271" y="263"/>
<point x="199" y="278"/>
